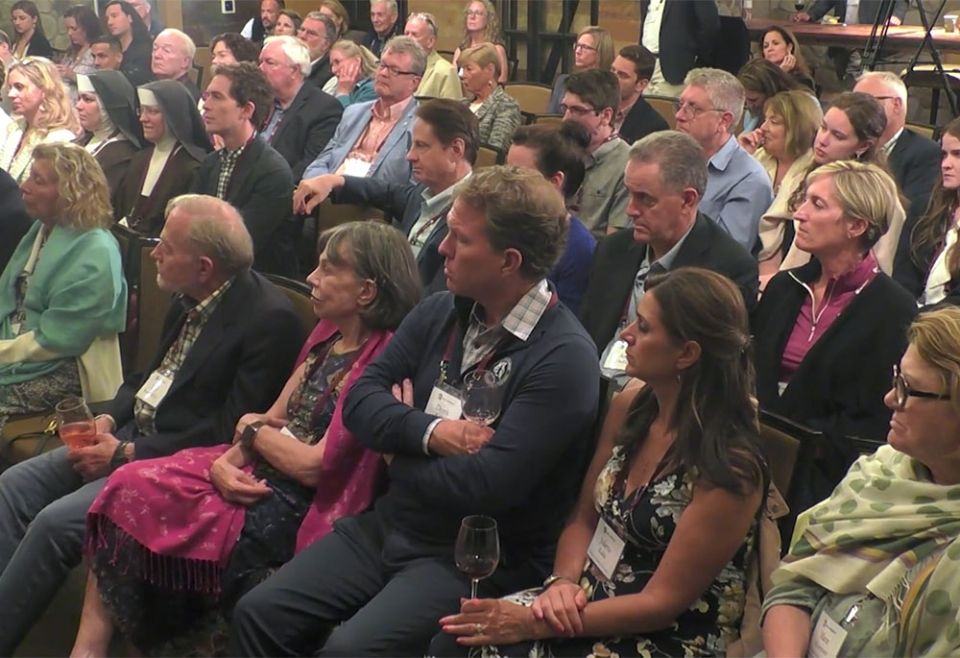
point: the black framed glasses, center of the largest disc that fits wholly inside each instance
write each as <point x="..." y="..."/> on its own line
<point x="902" y="390"/>
<point x="691" y="110"/>
<point x="393" y="70"/>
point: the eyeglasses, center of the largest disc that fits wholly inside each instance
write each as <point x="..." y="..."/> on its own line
<point x="584" y="46"/>
<point x="691" y="110"/>
<point x="476" y="12"/>
<point x="902" y="391"/>
<point x="577" y="110"/>
<point x="393" y="70"/>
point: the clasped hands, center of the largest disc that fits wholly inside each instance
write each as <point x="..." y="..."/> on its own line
<point x="226" y="473"/>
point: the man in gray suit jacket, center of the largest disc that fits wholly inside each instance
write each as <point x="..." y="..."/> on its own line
<point x="373" y="137"/>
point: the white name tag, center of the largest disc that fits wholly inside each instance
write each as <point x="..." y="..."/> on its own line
<point x="355" y="167"/>
<point x="827" y="638"/>
<point x="616" y="357"/>
<point x="445" y="402"/>
<point x="605" y="549"/>
<point x="155" y="388"/>
<point x="286" y="432"/>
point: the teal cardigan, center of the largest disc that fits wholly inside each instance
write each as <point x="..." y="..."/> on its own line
<point x="361" y="93"/>
<point x="77" y="293"/>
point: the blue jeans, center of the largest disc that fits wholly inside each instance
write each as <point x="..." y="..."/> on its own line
<point x="43" y="512"/>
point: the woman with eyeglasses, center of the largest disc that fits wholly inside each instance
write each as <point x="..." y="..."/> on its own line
<point x="826" y="334"/>
<point x="879" y="560"/>
<point x="497" y="111"/>
<point x="593" y="50"/>
<point x="482" y="25"/>
<point x="354" y="69"/>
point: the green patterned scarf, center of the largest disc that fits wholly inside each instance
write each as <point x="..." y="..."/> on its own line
<point x="884" y="530"/>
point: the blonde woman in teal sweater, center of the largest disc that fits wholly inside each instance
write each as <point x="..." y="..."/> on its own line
<point x="63" y="298"/>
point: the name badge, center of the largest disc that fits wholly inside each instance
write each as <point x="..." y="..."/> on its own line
<point x="445" y="402"/>
<point x="286" y="432"/>
<point x="356" y="167"/>
<point x="605" y="549"/>
<point x="827" y="638"/>
<point x="616" y="357"/>
<point x="155" y="388"/>
<point x="123" y="222"/>
<point x="15" y="327"/>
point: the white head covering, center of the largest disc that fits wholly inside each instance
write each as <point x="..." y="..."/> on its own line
<point x="106" y="127"/>
<point x="162" y="150"/>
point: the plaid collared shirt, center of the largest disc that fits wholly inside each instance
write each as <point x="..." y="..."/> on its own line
<point x="480" y="340"/>
<point x="228" y="162"/>
<point x="193" y="325"/>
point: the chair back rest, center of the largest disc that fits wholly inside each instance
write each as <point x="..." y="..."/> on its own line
<point x="298" y="293"/>
<point x="487" y="156"/>
<point x="548" y="119"/>
<point x="782" y="439"/>
<point x="665" y="106"/>
<point x="153" y="307"/>
<point x="532" y="97"/>
<point x="928" y="131"/>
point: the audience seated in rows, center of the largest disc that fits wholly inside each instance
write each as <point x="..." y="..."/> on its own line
<point x="107" y="110"/>
<point x="82" y="26"/>
<point x="593" y="49"/>
<point x="62" y="295"/>
<point x="559" y="153"/>
<point x="15" y="223"/>
<point x="240" y="511"/>
<point x="761" y="81"/>
<point x="440" y="79"/>
<point x="780" y="47"/>
<point x="738" y="190"/>
<point x="929" y="267"/>
<point x="681" y="495"/>
<point x="591" y="99"/>
<point x="497" y="111"/>
<point x="636" y="118"/>
<point x="355" y="70"/>
<point x="302" y="119"/>
<point x="481" y="24"/>
<point x="386" y="23"/>
<point x="165" y="169"/>
<point x="30" y="39"/>
<point x="231" y="48"/>
<point x="247" y="172"/>
<point x="783" y="145"/>
<point x="373" y="137"/>
<point x="442" y="153"/>
<point x="319" y="33"/>
<point x="124" y="23"/>
<point x="827" y="333"/>
<point x="172" y="59"/>
<point x="359" y="583"/>
<point x="42" y="114"/>
<point x="666" y="175"/>
<point x="217" y="360"/>
<point x="851" y="130"/>
<point x="884" y="544"/>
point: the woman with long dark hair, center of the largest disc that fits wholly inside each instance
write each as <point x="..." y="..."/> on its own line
<point x="30" y="41"/>
<point x="672" y="493"/>
<point x="83" y="26"/>
<point x="123" y="22"/>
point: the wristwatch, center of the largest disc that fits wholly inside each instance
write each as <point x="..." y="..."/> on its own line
<point x="551" y="579"/>
<point x="249" y="434"/>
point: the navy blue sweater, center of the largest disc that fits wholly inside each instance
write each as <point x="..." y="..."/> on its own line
<point x="529" y="474"/>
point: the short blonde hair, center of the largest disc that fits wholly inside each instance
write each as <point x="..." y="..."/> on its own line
<point x="483" y="55"/>
<point x="865" y="191"/>
<point x="84" y="197"/>
<point x="801" y="114"/>
<point x="56" y="110"/>
<point x="604" y="44"/>
<point x="368" y="61"/>
<point x="216" y="231"/>
<point x="936" y="337"/>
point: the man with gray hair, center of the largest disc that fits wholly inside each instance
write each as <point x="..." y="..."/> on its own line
<point x="738" y="189"/>
<point x="666" y="175"/>
<point x="318" y="31"/>
<point x="217" y="361"/>
<point x="303" y="118"/>
<point x="172" y="59"/>
<point x="913" y="159"/>
<point x="384" y="17"/>
<point x="373" y="137"/>
<point x="440" y="80"/>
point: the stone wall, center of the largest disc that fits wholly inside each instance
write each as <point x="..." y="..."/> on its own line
<point x="51" y="15"/>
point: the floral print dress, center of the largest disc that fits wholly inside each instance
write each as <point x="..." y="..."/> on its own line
<point x="646" y="520"/>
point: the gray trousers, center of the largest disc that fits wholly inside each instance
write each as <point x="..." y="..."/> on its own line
<point x="43" y="511"/>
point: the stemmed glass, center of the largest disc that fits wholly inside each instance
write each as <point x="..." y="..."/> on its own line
<point x="477" y="552"/>
<point x="481" y="397"/>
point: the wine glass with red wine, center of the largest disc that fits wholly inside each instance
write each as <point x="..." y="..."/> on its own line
<point x="75" y="423"/>
<point x="478" y="549"/>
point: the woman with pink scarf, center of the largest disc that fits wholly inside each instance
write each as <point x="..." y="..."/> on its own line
<point x="172" y="543"/>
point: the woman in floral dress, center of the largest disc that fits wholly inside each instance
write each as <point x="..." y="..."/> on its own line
<point x="653" y="560"/>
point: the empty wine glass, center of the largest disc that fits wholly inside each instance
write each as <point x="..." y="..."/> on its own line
<point x="481" y="397"/>
<point x="75" y="423"/>
<point x="478" y="549"/>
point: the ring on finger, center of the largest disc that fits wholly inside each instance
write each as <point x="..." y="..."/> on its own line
<point x="478" y="629"/>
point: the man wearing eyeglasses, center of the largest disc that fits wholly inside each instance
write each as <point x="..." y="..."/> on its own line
<point x="738" y="189"/>
<point x="318" y="32"/>
<point x="592" y="99"/>
<point x="373" y="137"/>
<point x="440" y="80"/>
